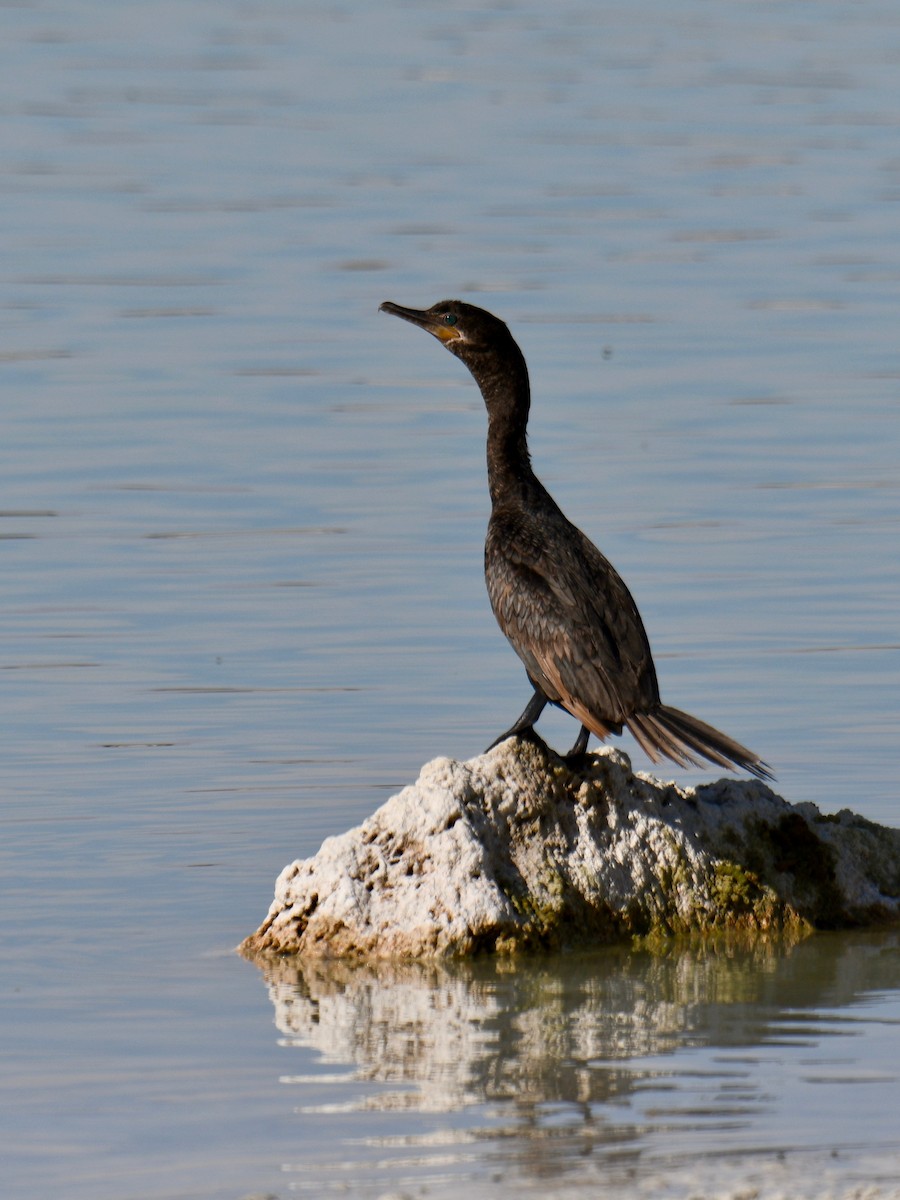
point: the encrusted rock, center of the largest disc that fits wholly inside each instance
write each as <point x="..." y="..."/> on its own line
<point x="516" y="849"/>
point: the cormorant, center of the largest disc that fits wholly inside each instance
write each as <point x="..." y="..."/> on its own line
<point x="564" y="609"/>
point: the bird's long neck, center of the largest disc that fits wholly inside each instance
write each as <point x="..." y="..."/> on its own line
<point x="507" y="397"/>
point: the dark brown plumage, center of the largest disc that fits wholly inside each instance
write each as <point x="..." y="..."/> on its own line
<point x="561" y="604"/>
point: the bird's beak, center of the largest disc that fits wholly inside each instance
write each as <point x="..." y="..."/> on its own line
<point x="423" y="318"/>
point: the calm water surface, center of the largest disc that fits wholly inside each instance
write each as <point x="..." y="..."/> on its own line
<point x="241" y="519"/>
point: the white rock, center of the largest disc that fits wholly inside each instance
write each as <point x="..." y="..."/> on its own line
<point x="516" y="850"/>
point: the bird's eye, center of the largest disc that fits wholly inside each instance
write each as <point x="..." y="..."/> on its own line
<point x="450" y="318"/>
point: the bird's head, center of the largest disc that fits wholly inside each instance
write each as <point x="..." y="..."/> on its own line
<point x="466" y="331"/>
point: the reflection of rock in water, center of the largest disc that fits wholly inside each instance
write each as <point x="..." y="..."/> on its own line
<point x="564" y="1028"/>
<point x="517" y="849"/>
<point x="551" y="1056"/>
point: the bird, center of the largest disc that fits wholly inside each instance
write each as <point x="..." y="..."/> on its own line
<point x="561" y="604"/>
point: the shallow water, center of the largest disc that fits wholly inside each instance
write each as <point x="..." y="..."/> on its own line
<point x="241" y="518"/>
<point x="615" y="1074"/>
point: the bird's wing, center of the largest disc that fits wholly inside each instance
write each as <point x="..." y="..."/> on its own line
<point x="569" y="617"/>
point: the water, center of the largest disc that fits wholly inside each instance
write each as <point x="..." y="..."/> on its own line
<point x="616" y="1074"/>
<point x="241" y="517"/>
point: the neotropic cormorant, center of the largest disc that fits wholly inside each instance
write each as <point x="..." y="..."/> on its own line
<point x="563" y="607"/>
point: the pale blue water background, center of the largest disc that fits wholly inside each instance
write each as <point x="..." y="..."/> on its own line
<point x="241" y="519"/>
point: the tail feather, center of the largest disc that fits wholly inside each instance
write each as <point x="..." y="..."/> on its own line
<point x="677" y="735"/>
<point x="654" y="740"/>
<point x="703" y="739"/>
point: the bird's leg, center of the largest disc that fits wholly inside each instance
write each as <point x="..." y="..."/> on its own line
<point x="525" y="724"/>
<point x="580" y="747"/>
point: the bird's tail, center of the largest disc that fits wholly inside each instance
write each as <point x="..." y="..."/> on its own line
<point x="677" y="735"/>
